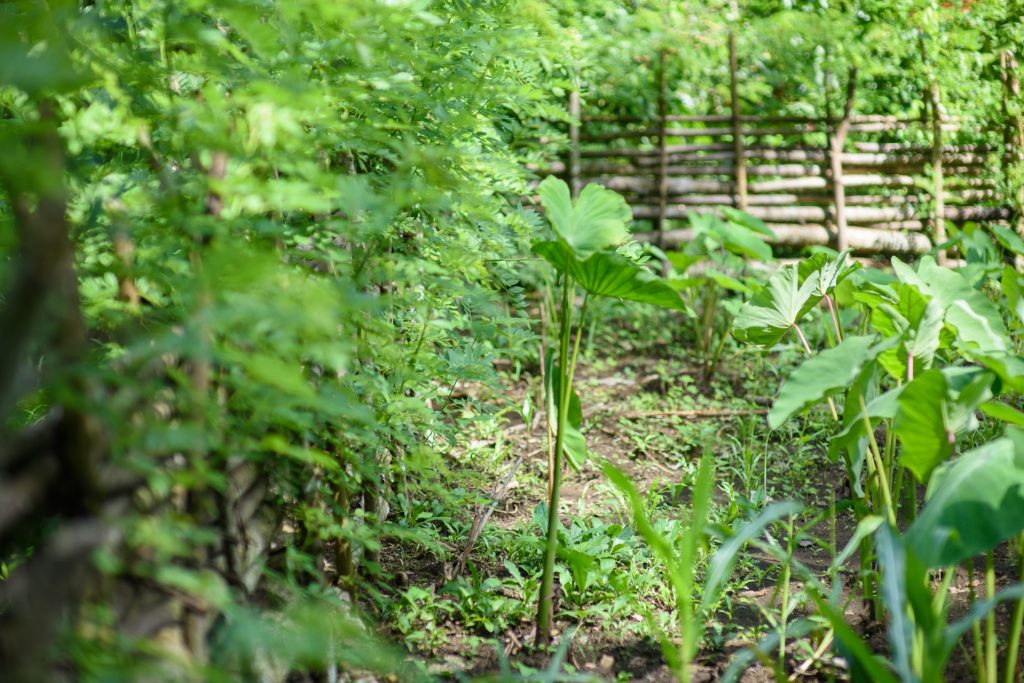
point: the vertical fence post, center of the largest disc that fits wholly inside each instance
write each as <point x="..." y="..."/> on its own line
<point x="938" y="191"/>
<point x="934" y="106"/>
<point x="575" y="113"/>
<point x="737" y="127"/>
<point x="1013" y="135"/>
<point x="662" y="145"/>
<point x="836" y="142"/>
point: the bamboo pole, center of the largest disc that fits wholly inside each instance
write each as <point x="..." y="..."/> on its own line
<point x="737" y="126"/>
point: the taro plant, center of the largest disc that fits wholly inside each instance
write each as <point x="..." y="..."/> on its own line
<point x="587" y="234"/>
<point x="713" y="265"/>
<point x="972" y="505"/>
<point x="932" y="348"/>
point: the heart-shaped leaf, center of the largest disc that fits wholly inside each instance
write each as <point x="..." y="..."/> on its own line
<point x="972" y="504"/>
<point x="976" y="319"/>
<point x="612" y="275"/>
<point x="596" y="221"/>
<point x="932" y="409"/>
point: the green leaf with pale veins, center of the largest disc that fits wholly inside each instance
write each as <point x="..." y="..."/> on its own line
<point x="766" y="318"/>
<point x="597" y="220"/>
<point x="612" y="275"/>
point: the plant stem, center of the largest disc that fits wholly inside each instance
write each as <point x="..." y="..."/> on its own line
<point x="544" y="606"/>
<point x="883" y="474"/>
<point x="784" y="615"/>
<point x="1017" y="624"/>
<point x="990" y="620"/>
<point x="979" y="661"/>
<point x="807" y="348"/>
<point x="835" y="317"/>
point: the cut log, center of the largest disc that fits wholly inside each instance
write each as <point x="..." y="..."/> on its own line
<point x="794" y="214"/>
<point x="861" y="240"/>
<point x="818" y="182"/>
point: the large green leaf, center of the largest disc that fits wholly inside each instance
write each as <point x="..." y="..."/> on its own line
<point x="972" y="504"/>
<point x="612" y="275"/>
<point x="917" y="320"/>
<point x="596" y="221"/>
<point x="920" y="424"/>
<point x="744" y="219"/>
<point x="741" y="240"/>
<point x="776" y="307"/>
<point x="826" y="374"/>
<point x="830" y="271"/>
<point x="976" y="319"/>
<point x="932" y="409"/>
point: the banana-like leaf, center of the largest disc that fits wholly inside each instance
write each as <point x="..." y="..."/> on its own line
<point x="612" y="275"/>
<point x="596" y="221"/>
<point x="973" y="503"/>
<point x="826" y="374"/>
<point x="766" y="318"/>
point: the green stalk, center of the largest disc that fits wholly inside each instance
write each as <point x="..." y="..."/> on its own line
<point x="551" y="545"/>
<point x="1013" y="646"/>
<point x="979" y="662"/>
<point x="990" y="620"/>
<point x="785" y="596"/>
<point x="567" y="371"/>
<point x="807" y="348"/>
<point x="883" y="474"/>
<point x="835" y="317"/>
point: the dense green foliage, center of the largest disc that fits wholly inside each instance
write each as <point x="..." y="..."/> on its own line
<point x="274" y="286"/>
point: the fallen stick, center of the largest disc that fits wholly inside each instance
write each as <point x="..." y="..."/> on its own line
<point x="483" y="513"/>
<point x="696" y="413"/>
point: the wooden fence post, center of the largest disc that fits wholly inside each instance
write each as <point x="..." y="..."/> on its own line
<point x="575" y="112"/>
<point x="737" y="127"/>
<point x="934" y="105"/>
<point x="662" y="144"/>
<point x="836" y="142"/>
<point x="938" y="191"/>
<point x="1013" y="134"/>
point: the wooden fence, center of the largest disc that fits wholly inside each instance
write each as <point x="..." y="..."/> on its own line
<point x="839" y="179"/>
